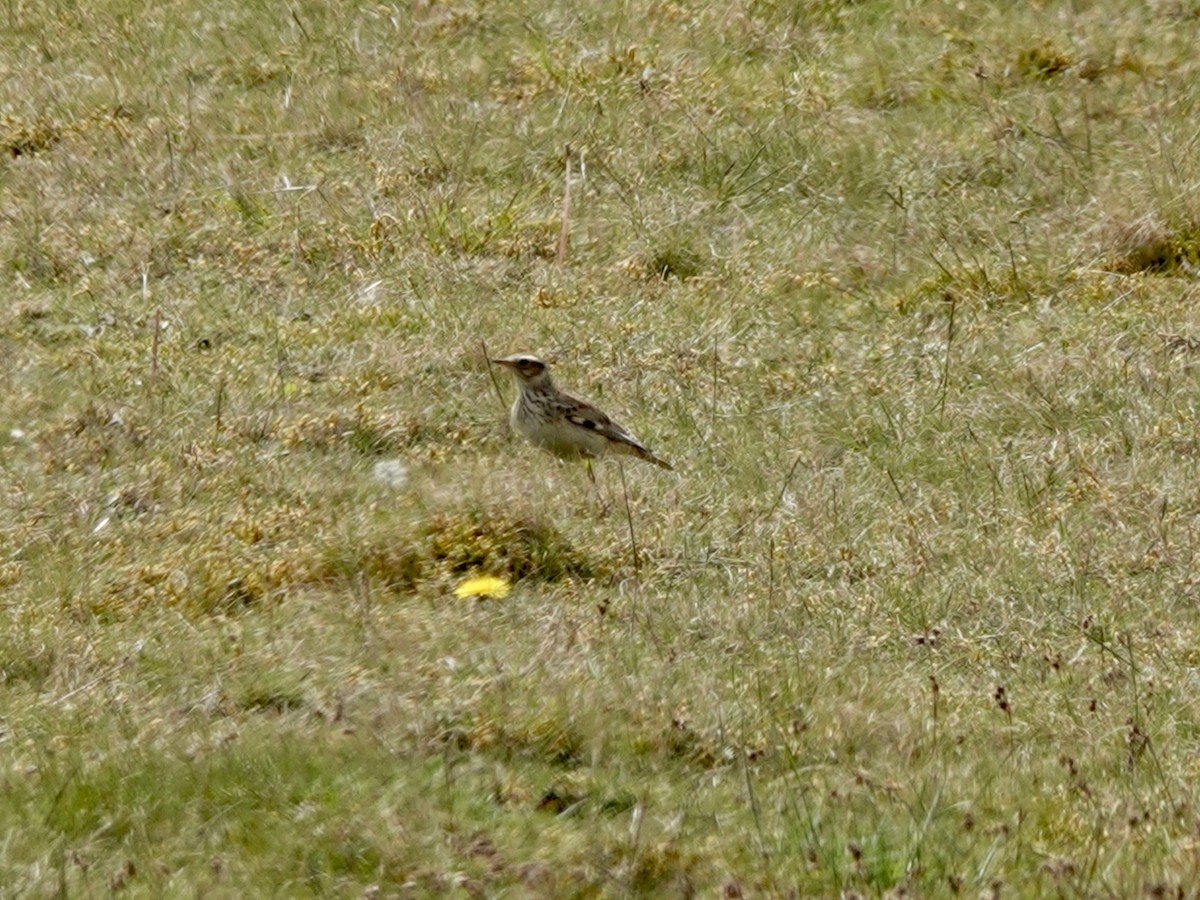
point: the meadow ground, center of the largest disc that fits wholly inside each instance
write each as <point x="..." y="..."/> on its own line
<point x="906" y="291"/>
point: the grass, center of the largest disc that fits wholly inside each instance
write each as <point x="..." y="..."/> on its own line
<point x="906" y="292"/>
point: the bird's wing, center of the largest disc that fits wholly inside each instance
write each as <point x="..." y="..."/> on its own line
<point x="583" y="414"/>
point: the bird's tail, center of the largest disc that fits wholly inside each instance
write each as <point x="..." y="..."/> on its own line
<point x="657" y="460"/>
<point x="624" y="443"/>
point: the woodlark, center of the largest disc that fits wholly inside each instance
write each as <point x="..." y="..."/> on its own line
<point x="565" y="425"/>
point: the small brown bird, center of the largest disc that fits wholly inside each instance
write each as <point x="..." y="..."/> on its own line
<point x="565" y="425"/>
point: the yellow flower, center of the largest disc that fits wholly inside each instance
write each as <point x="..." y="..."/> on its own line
<point x="485" y="587"/>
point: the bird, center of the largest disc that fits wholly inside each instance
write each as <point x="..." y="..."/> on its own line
<point x="565" y="425"/>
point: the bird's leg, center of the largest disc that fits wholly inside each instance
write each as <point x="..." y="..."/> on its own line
<point x="601" y="506"/>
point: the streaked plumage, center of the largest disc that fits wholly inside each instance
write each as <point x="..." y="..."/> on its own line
<point x="565" y="425"/>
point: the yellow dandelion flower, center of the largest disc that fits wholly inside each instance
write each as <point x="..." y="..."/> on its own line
<point x="485" y="587"/>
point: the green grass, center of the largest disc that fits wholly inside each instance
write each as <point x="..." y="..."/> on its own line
<point x="906" y="292"/>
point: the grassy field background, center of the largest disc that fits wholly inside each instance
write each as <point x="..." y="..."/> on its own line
<point x="906" y="291"/>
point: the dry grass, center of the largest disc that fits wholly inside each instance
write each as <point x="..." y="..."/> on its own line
<point x="907" y="296"/>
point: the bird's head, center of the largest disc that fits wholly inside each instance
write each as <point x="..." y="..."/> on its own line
<point x="527" y="368"/>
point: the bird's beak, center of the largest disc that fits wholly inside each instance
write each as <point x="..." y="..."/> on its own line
<point x="501" y="362"/>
